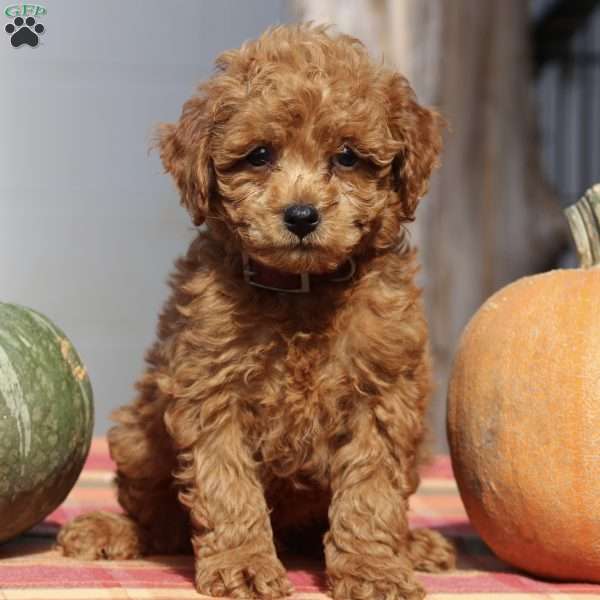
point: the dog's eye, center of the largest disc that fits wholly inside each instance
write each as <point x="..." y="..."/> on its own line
<point x="346" y="159"/>
<point x="259" y="157"/>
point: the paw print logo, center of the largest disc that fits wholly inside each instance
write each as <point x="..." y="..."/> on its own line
<point x="24" y="32"/>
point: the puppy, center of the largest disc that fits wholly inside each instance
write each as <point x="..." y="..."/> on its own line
<point x="287" y="389"/>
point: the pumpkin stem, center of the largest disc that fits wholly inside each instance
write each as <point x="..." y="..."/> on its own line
<point x="584" y="222"/>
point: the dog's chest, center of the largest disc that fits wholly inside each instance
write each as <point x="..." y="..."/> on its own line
<point x="292" y="412"/>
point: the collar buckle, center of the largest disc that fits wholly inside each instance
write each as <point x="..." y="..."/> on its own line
<point x="303" y="288"/>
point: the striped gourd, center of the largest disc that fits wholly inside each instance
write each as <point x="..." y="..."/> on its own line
<point x="46" y="418"/>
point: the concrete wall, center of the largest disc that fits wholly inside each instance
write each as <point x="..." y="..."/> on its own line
<point x="89" y="225"/>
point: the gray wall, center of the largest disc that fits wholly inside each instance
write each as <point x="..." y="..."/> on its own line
<point x="89" y="224"/>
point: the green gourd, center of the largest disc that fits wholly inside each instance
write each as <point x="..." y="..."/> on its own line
<point x="46" y="418"/>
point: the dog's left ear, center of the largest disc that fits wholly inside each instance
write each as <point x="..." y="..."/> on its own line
<point x="184" y="151"/>
<point x="419" y="131"/>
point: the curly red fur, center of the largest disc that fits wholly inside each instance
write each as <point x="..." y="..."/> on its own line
<point x="263" y="413"/>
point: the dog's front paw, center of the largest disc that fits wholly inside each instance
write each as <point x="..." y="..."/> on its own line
<point x="242" y="576"/>
<point x="101" y="535"/>
<point x="353" y="587"/>
<point x="363" y="577"/>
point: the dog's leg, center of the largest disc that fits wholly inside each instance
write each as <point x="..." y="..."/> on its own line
<point x="232" y="537"/>
<point x="155" y="522"/>
<point x="366" y="548"/>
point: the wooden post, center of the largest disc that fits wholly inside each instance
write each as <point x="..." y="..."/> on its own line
<point x="489" y="217"/>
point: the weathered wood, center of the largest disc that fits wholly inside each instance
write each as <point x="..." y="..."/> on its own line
<point x="489" y="217"/>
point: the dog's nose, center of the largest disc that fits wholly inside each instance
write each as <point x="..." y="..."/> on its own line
<point x="301" y="219"/>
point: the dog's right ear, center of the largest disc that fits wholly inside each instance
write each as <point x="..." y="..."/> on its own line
<point x="184" y="151"/>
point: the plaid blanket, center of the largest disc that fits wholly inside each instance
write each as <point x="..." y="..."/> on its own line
<point x="31" y="569"/>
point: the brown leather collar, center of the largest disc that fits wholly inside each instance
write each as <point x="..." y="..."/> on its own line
<point x="262" y="276"/>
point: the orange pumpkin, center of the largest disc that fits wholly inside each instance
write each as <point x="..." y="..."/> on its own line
<point x="524" y="414"/>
